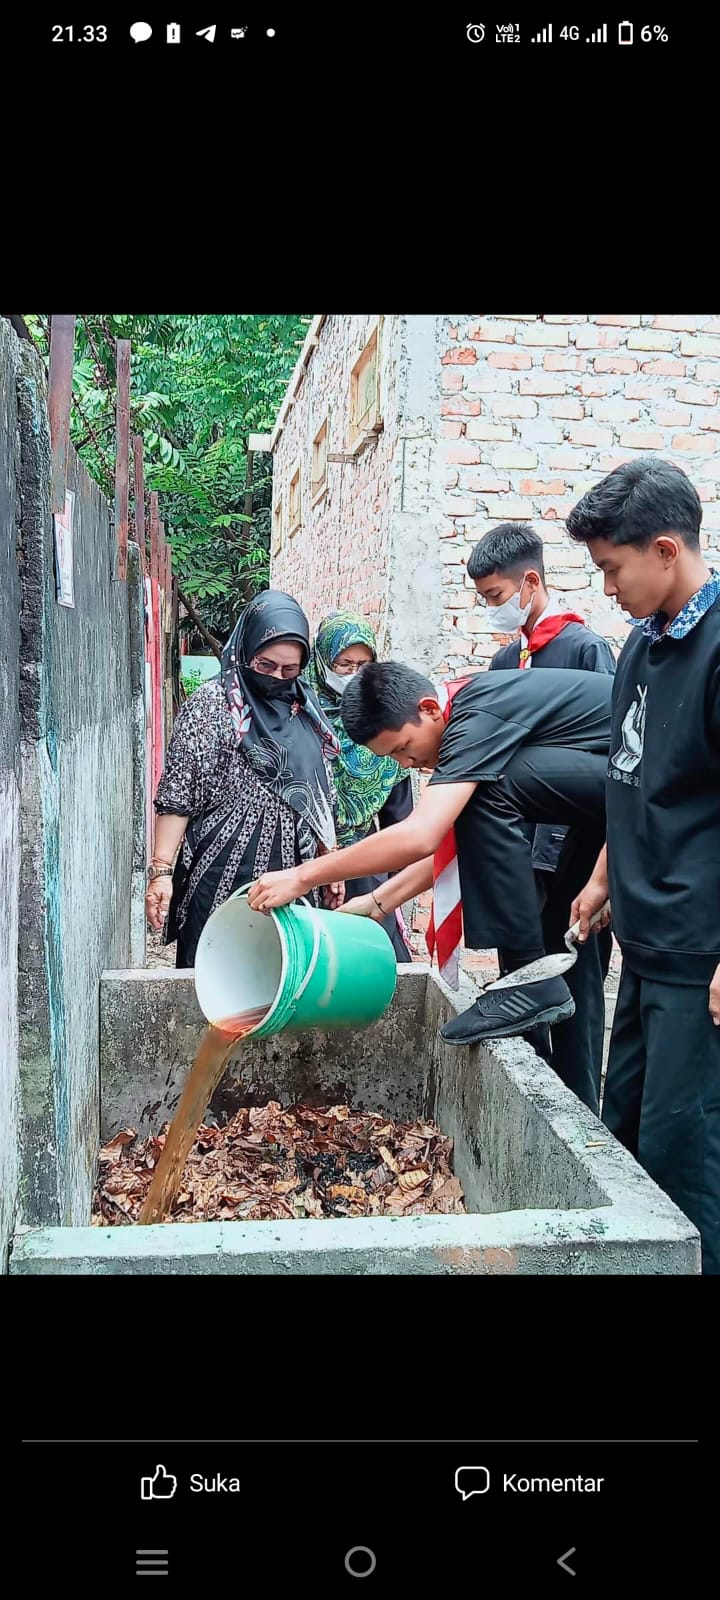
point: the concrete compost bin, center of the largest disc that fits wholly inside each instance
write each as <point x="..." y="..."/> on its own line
<point x="546" y="1187"/>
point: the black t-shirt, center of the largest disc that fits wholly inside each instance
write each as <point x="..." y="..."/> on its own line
<point x="663" y="803"/>
<point x="575" y="647"/>
<point x="499" y="712"/>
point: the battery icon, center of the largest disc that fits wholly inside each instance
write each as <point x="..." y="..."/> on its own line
<point x="625" y="33"/>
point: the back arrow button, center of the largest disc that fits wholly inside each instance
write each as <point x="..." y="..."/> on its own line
<point x="562" y="1561"/>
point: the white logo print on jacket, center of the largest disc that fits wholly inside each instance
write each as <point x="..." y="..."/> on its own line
<point x="630" y="754"/>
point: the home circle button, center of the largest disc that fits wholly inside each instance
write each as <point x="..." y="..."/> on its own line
<point x="360" y="1561"/>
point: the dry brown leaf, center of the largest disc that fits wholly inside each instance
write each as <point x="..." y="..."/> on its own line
<point x="412" y="1180"/>
<point x="112" y="1151"/>
<point x="347" y="1191"/>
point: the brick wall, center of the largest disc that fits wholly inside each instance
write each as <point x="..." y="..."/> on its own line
<point x="534" y="411"/>
<point x="339" y="555"/>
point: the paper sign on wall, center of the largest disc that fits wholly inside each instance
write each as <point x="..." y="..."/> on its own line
<point x="64" y="585"/>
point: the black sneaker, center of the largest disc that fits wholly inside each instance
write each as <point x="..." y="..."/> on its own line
<point x="505" y="1013"/>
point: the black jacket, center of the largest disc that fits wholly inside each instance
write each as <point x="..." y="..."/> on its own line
<point x="663" y="803"/>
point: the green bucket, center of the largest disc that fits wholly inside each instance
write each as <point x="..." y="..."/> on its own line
<point x="312" y="969"/>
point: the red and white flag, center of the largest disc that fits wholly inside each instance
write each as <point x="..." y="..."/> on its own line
<point x="445" y="928"/>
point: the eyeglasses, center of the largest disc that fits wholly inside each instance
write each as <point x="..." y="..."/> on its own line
<point x="273" y="669"/>
<point x="347" y="668"/>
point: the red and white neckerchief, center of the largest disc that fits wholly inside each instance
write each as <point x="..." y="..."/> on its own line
<point x="548" y="626"/>
<point x="445" y="928"/>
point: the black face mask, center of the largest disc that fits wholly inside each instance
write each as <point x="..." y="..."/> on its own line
<point x="270" y="688"/>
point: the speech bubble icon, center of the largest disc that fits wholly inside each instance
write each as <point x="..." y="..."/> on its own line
<point x="140" y="31"/>
<point x="472" y="1480"/>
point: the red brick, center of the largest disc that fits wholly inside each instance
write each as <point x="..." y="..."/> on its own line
<point x="711" y="420"/>
<point x="488" y="430"/>
<point x="701" y="346"/>
<point x="537" y="333"/>
<point x="452" y="480"/>
<point x="617" y="410"/>
<point x="539" y="486"/>
<point x="707" y="491"/>
<point x="488" y="481"/>
<point x="593" y="386"/>
<point x="451" y="430"/>
<point x="494" y="332"/>
<point x="651" y="394"/>
<point x="618" y="322"/>
<point x="514" y="405"/>
<point x="696" y="394"/>
<point x="452" y="333"/>
<point x="569" y="458"/>
<point x="697" y="443"/>
<point x="664" y="369"/>
<point x="563" y="361"/>
<point x="452" y="381"/>
<point x="539" y="384"/>
<point x="650" y="339"/>
<point x="559" y="508"/>
<point x="461" y="406"/>
<point x="613" y="459"/>
<point x="594" y="338"/>
<point x="463" y="451"/>
<point x="707" y="372"/>
<point x="463" y="506"/>
<point x="678" y="324"/>
<point x="587" y="433"/>
<point x="675" y="417"/>
<point x="641" y="439"/>
<point x="569" y="408"/>
<point x="459" y="358"/>
<point x="514" y="359"/>
<point x="712" y="325"/>
<point x="615" y="364"/>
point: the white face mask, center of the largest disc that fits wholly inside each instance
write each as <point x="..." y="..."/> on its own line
<point x="336" y="682"/>
<point x="510" y="615"/>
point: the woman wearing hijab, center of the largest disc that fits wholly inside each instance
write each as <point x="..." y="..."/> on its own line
<point x="371" y="791"/>
<point x="247" y="785"/>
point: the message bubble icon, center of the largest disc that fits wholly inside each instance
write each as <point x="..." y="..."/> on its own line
<point x="140" y="31"/>
<point x="472" y="1480"/>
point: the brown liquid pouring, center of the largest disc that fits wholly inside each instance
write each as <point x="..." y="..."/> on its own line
<point x="205" y="1074"/>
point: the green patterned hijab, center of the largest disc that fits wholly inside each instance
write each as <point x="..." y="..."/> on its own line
<point x="363" y="781"/>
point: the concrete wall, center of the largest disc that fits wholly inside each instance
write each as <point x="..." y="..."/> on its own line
<point x="77" y="824"/>
<point x="9" y="784"/>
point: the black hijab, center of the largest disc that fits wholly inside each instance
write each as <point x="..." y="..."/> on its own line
<point x="279" y="723"/>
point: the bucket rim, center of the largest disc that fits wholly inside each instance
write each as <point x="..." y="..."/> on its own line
<point x="281" y="930"/>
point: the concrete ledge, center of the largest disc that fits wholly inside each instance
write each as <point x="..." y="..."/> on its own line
<point x="525" y="1243"/>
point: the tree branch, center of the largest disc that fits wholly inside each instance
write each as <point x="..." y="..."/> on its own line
<point x="209" y="638"/>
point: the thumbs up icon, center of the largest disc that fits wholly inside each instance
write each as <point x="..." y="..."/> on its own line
<point x="161" y="1487"/>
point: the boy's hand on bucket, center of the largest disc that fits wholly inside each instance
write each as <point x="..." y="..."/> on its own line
<point x="333" y="895"/>
<point x="276" y="889"/>
<point x="363" y="905"/>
